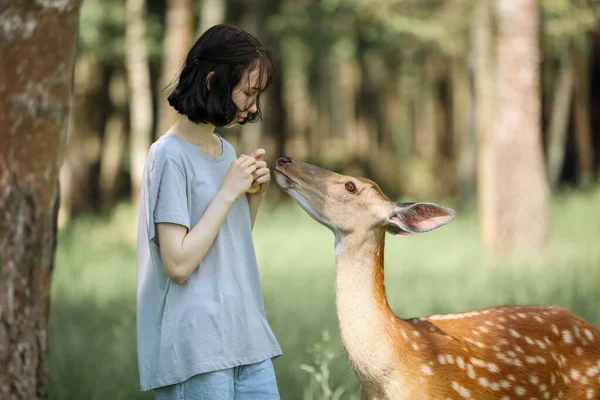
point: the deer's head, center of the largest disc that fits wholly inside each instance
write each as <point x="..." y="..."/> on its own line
<point x="346" y="204"/>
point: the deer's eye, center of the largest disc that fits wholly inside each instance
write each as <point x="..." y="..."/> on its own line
<point x="351" y="187"/>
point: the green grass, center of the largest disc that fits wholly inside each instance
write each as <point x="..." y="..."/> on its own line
<point x="92" y="314"/>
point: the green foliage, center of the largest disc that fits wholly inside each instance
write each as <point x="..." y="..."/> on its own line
<point x="567" y="23"/>
<point x="319" y="387"/>
<point x="102" y="31"/>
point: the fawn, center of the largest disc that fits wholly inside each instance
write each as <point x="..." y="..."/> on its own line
<point x="506" y="352"/>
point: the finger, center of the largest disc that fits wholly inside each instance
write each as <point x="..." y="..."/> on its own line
<point x="250" y="169"/>
<point x="258" y="154"/>
<point x="263" y="179"/>
<point x="262" y="171"/>
<point x="247" y="162"/>
<point x="261" y="164"/>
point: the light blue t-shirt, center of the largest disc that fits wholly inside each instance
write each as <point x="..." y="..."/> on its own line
<point x="216" y="319"/>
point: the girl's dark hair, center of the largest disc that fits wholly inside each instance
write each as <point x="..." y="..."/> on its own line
<point x="228" y="52"/>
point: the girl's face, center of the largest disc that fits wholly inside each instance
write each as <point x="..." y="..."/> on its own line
<point x="245" y="95"/>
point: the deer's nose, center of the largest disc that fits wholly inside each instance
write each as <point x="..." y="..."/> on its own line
<point x="282" y="160"/>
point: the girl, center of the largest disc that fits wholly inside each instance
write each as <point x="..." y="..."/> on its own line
<point x="201" y="326"/>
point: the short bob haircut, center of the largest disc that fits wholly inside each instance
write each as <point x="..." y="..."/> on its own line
<point x="228" y="52"/>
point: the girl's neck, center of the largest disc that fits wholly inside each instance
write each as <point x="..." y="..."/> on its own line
<point x="200" y="135"/>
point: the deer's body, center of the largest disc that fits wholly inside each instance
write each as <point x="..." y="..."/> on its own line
<point x="509" y="352"/>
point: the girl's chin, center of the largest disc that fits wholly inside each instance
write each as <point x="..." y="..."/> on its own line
<point x="234" y="123"/>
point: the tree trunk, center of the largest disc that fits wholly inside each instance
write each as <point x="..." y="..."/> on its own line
<point x="140" y="94"/>
<point x="212" y="13"/>
<point x="178" y="40"/>
<point x="253" y="21"/>
<point x="559" y="122"/>
<point x="114" y="142"/>
<point x="426" y="136"/>
<point x="464" y="140"/>
<point x="522" y="190"/>
<point x="484" y="105"/>
<point x="37" y="49"/>
<point x="583" y="137"/>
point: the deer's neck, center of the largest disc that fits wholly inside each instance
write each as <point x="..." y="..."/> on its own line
<point x="367" y="324"/>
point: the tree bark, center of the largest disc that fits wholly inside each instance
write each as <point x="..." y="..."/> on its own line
<point x="114" y="142"/>
<point x="463" y="134"/>
<point x="178" y="40"/>
<point x="37" y="49"/>
<point x="140" y="95"/>
<point x="212" y="13"/>
<point x="484" y="105"/>
<point x="521" y="185"/>
<point x="559" y="121"/>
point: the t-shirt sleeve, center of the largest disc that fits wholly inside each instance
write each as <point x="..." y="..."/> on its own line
<point x="168" y="196"/>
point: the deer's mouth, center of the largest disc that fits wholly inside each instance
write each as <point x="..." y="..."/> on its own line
<point x="283" y="180"/>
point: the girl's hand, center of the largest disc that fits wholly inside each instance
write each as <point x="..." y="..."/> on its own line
<point x="262" y="176"/>
<point x="239" y="176"/>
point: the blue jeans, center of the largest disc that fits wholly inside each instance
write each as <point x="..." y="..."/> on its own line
<point x="246" y="382"/>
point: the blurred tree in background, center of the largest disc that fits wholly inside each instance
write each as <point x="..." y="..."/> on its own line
<point x="431" y="99"/>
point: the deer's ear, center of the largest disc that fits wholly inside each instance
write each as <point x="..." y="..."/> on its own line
<point x="411" y="218"/>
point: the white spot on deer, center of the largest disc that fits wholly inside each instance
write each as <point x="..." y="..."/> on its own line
<point x="484" y="329"/>
<point x="460" y="362"/>
<point x="493" y="368"/>
<point x="514" y="333"/>
<point x="588" y="334"/>
<point x="567" y="336"/>
<point x="534" y="379"/>
<point x="416" y="333"/>
<point x="441" y="359"/>
<point x="504" y="384"/>
<point x="501" y="319"/>
<point x="471" y="371"/>
<point x="520" y="390"/>
<point x="521" y="315"/>
<point x="538" y="318"/>
<point x="483" y="381"/>
<point x="541" y="360"/>
<point x="415" y="346"/>
<point x="404" y="335"/>
<point x="575" y="375"/>
<point x="450" y="358"/>
<point x="512" y="378"/>
<point x="505" y="398"/>
<point x="512" y="354"/>
<point x="477" y="362"/>
<point x="555" y="330"/>
<point x="531" y="360"/>
<point x="427" y="370"/>
<point x="462" y="391"/>
<point x="591" y="371"/>
<point x="529" y="340"/>
<point x="553" y="379"/>
<point x="540" y="344"/>
<point x="495" y="386"/>
<point x="589" y="394"/>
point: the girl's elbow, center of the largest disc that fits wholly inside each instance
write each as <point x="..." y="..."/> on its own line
<point x="176" y="273"/>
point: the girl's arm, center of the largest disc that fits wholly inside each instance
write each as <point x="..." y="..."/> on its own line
<point x="182" y="251"/>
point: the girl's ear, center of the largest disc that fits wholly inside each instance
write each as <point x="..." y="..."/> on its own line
<point x="209" y="78"/>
